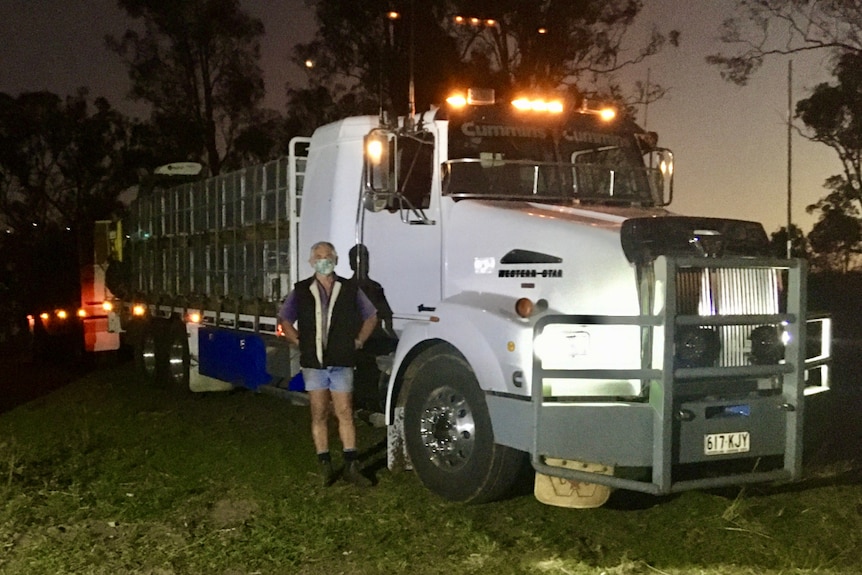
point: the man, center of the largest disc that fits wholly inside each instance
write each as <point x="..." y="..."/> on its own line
<point x="367" y="392"/>
<point x="334" y="319"/>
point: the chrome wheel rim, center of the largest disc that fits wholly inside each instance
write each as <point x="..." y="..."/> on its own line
<point x="447" y="428"/>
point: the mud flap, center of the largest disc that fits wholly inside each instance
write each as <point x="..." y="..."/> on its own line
<point x="397" y="458"/>
<point x="573" y="494"/>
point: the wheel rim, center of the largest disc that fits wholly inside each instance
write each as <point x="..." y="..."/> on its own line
<point x="447" y="428"/>
<point x="148" y="355"/>
<point x="176" y="361"/>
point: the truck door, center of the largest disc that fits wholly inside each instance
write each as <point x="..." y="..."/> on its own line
<point x="404" y="237"/>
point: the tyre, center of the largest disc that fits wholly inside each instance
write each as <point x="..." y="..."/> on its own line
<point x="449" y="436"/>
<point x="146" y="352"/>
<point x="177" y="357"/>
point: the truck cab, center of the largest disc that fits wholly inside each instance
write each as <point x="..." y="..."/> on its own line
<point x="552" y="313"/>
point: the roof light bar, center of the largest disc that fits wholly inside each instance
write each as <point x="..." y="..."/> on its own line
<point x="538" y="105"/>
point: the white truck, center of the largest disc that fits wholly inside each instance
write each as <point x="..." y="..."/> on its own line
<point x="552" y="316"/>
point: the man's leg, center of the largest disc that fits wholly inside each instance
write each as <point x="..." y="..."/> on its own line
<point x="342" y="403"/>
<point x="341" y="386"/>
<point x="319" y="401"/>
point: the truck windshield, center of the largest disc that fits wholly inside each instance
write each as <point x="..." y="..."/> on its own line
<point x="572" y="164"/>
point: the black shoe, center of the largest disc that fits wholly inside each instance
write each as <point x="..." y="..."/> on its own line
<point x="352" y="474"/>
<point x="327" y="473"/>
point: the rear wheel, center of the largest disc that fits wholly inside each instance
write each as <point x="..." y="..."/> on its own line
<point x="449" y="436"/>
<point x="177" y="356"/>
<point x="146" y="351"/>
<point x="162" y="353"/>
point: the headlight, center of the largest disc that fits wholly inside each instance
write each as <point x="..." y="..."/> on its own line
<point x="767" y="345"/>
<point x="697" y="346"/>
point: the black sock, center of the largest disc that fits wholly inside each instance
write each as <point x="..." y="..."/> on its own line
<point x="324" y="457"/>
<point x="349" y="455"/>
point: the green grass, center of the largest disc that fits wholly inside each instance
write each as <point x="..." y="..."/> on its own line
<point x="108" y="476"/>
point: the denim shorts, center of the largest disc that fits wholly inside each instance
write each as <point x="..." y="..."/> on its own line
<point x="331" y="378"/>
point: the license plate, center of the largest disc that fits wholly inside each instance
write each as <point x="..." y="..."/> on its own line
<point x="725" y="443"/>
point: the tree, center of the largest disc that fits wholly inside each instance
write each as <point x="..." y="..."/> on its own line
<point x="362" y="55"/>
<point x="799" y="247"/>
<point x="836" y="237"/>
<point x="196" y="63"/>
<point x="552" y="43"/>
<point x="61" y="162"/>
<point x="832" y="114"/>
<point x="764" y="28"/>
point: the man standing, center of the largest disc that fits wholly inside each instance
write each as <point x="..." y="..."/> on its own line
<point x="334" y="319"/>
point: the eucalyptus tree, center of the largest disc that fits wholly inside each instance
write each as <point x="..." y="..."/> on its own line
<point x="832" y="112"/>
<point x="196" y="62"/>
<point x="367" y="53"/>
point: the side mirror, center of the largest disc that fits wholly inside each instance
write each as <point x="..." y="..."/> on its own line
<point x="379" y="162"/>
<point x="659" y="163"/>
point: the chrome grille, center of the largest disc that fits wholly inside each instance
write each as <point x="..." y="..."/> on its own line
<point x="727" y="291"/>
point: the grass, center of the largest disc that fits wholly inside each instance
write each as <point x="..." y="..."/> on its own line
<point x="108" y="476"/>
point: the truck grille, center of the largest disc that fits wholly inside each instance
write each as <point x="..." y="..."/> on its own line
<point x="728" y="291"/>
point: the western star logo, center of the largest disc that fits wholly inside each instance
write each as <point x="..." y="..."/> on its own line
<point x="547" y="273"/>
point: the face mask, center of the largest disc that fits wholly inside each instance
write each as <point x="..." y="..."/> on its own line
<point x="324" y="267"/>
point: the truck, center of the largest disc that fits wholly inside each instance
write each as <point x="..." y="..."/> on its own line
<point x="554" y="318"/>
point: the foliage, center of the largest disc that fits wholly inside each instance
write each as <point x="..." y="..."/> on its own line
<point x="196" y="63"/>
<point x="764" y="28"/>
<point x="108" y="475"/>
<point x="60" y="161"/>
<point x="799" y="247"/>
<point x="363" y="59"/>
<point x="832" y="113"/>
<point x="63" y="164"/>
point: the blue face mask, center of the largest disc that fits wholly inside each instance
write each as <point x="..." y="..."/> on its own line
<point x="324" y="267"/>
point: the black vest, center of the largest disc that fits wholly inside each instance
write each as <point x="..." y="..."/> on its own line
<point x="344" y="323"/>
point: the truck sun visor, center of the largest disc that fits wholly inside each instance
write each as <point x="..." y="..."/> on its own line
<point x="644" y="239"/>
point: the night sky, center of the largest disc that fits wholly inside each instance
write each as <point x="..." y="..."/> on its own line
<point x="730" y="142"/>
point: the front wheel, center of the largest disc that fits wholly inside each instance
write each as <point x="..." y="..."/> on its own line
<point x="449" y="436"/>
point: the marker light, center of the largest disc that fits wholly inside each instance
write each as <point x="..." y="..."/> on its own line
<point x="526" y="104"/>
<point x="374" y="150"/>
<point x="139" y="310"/>
<point x="44" y="316"/>
<point x="61" y="313"/>
<point x="107" y="306"/>
<point x="82" y="313"/>
<point x="195" y="317"/>
<point x="457" y="100"/>
<point x="524" y="307"/>
<point x="607" y="114"/>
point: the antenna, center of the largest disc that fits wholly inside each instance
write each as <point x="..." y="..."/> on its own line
<point x="789" y="155"/>
<point x="411" y="90"/>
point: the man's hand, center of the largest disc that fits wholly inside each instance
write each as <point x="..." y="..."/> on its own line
<point x="290" y="334"/>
